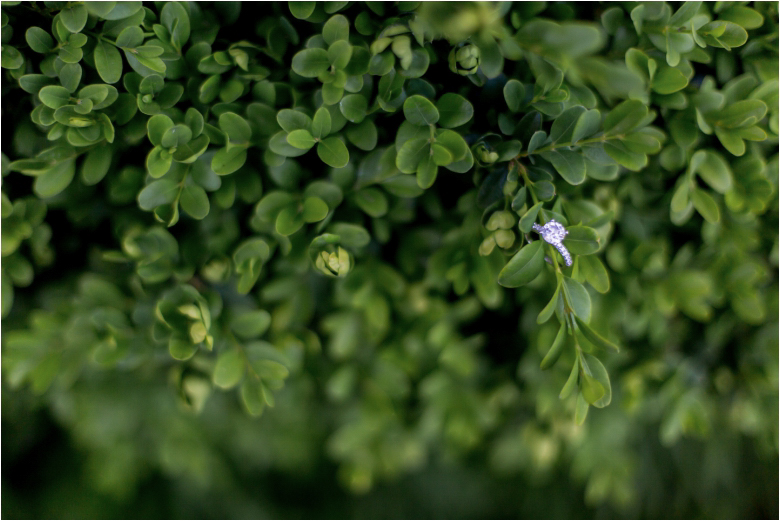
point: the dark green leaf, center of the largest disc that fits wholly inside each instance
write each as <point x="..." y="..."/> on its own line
<point x="556" y="349"/>
<point x="524" y="267"/>
<point x="454" y="110"/>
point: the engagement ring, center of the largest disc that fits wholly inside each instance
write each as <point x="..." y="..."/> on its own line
<point x="553" y="232"/>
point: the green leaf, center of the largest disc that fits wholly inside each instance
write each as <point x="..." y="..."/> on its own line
<point x="713" y="169"/>
<point x="731" y="141"/>
<point x="420" y="111"/>
<point x="228" y="160"/>
<point x="156" y="193"/>
<point x="251" y="324"/>
<point x="55" y="179"/>
<point x="454" y="110"/>
<point x="157" y="126"/>
<point x="321" y="124"/>
<point x="537" y="139"/>
<point x="705" y="205"/>
<point x="74" y="18"/>
<point x="427" y="170"/>
<point x="39" y="40"/>
<point x="514" y="94"/>
<point x="411" y="154"/>
<point x="364" y="136"/>
<point x="291" y="120"/>
<point x="684" y="14"/>
<point x="625" y="117"/>
<point x="158" y="162"/>
<point x="593" y="337"/>
<point x="668" y="80"/>
<point x="599" y="374"/>
<point x="333" y="152"/>
<point x="314" y="209"/>
<point x="236" y="128"/>
<point x="725" y="35"/>
<point x="354" y="107"/>
<point x="194" y="201"/>
<point x="108" y="62"/>
<point x="571" y="382"/>
<point x="568" y="163"/>
<point x="302" y="10"/>
<point x="176" y="20"/>
<point x="581" y="240"/>
<point x="555" y="350"/>
<point x="581" y="408"/>
<point x="229" y="369"/>
<point x="301" y="138"/>
<point x="527" y="221"/>
<point x="549" y="309"/>
<point x="191" y="151"/>
<point x="577" y="297"/>
<point x="587" y="125"/>
<point x="336" y="28"/>
<point x="372" y="201"/>
<point x="288" y="221"/>
<point x="95" y="165"/>
<point x="524" y="267"/>
<point x="54" y="96"/>
<point x="563" y="126"/>
<point x="631" y="160"/>
<point x="591" y="389"/>
<point x="310" y="63"/>
<point x="181" y="349"/>
<point x="253" y="396"/>
<point x="742" y="113"/>
<point x="743" y="16"/>
<point x="339" y="54"/>
<point x="594" y="272"/>
<point x="11" y="57"/>
<point x="453" y="142"/>
<point x="130" y="37"/>
<point x="176" y="136"/>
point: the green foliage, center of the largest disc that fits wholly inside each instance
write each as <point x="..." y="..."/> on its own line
<point x="168" y="224"/>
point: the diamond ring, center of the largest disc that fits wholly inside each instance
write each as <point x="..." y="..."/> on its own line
<point x="553" y="233"/>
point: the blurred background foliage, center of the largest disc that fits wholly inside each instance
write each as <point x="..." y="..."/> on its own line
<point x="202" y="319"/>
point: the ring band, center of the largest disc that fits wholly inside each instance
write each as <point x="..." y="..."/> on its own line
<point x="553" y="233"/>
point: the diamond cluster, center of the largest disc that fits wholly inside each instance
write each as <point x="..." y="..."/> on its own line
<point x="553" y="232"/>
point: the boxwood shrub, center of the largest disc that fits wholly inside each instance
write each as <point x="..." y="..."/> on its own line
<point x="242" y="238"/>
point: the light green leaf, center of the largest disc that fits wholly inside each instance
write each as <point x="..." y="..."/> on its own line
<point x="333" y="152"/>
<point x="301" y="138"/>
<point x="310" y="63"/>
<point x="420" y="111"/>
<point x="229" y="369"/>
<point x="314" y="209"/>
<point x="321" y="124"/>
<point x="353" y="107"/>
<point x="411" y="154"/>
<point x="705" y="205"/>
<point x="228" y="160"/>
